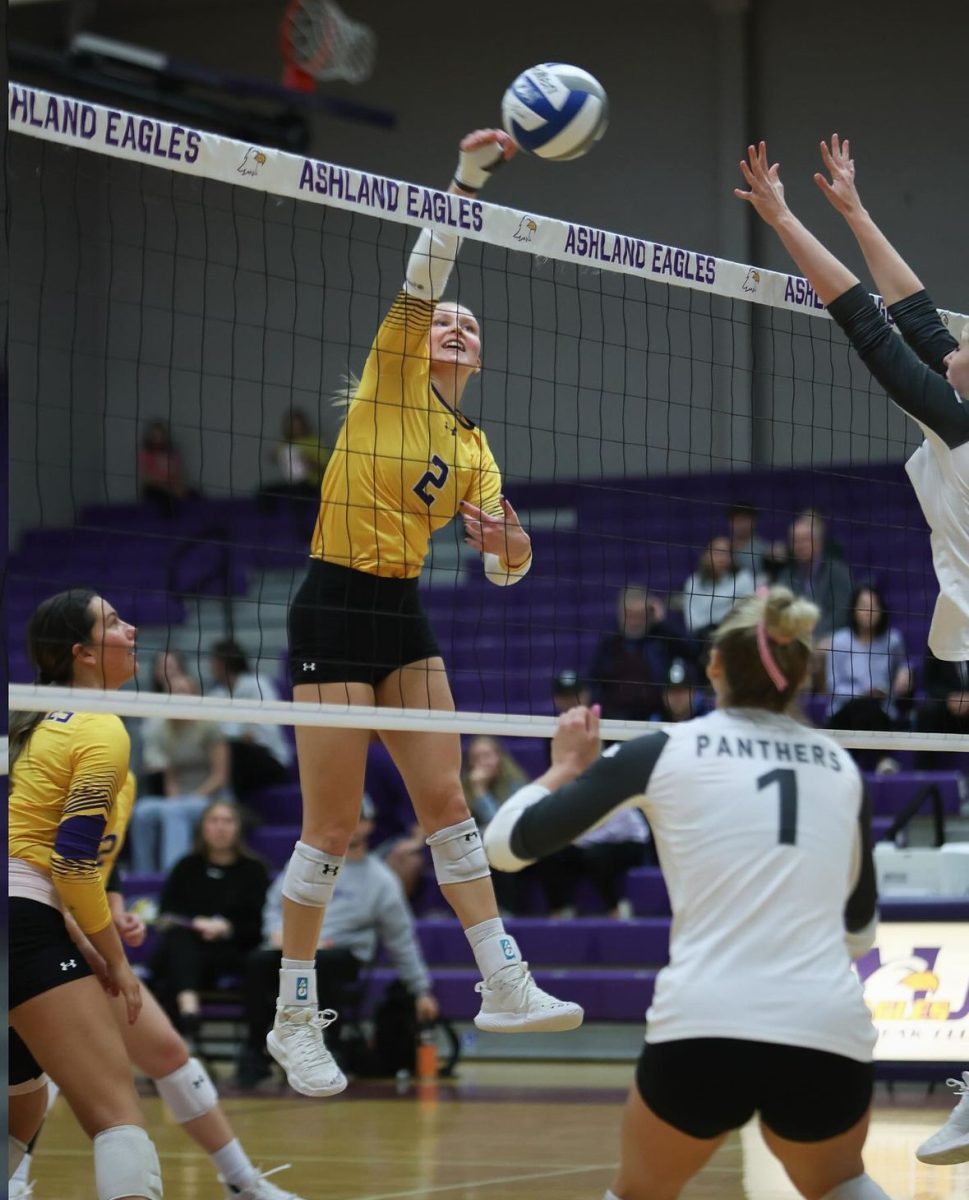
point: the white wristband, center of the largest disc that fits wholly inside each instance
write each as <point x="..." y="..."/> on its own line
<point x="476" y="166"/>
<point x="500" y="574"/>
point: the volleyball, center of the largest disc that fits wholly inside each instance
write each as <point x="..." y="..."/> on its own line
<point x="556" y="111"/>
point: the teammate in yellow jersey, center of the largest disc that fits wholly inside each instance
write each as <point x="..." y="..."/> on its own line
<point x="407" y="460"/>
<point x="153" y="1044"/>
<point x="66" y="769"/>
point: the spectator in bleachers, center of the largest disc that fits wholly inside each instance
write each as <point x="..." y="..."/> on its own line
<point x="867" y="670"/>
<point x="300" y="456"/>
<point x="210" y="914"/>
<point x="568" y="690"/>
<point x="814" y="573"/>
<point x="489" y="776"/>
<point x="714" y="587"/>
<point x="259" y="755"/>
<point x="680" y="701"/>
<point x="945" y="708"/>
<point x="166" y="667"/>
<point x="193" y="758"/>
<point x="749" y="551"/>
<point x="368" y="908"/>
<point x="627" y="672"/>
<point x="604" y="855"/>
<point x="160" y="469"/>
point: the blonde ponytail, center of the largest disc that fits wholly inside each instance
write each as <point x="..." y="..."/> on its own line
<point x="765" y="646"/>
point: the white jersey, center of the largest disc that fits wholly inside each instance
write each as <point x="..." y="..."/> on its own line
<point x="940" y="477"/>
<point x="757" y="823"/>
<point x="755" y="820"/>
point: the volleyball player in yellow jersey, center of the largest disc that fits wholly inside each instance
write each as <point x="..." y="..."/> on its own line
<point x="66" y="769"/>
<point x="406" y="462"/>
<point x="157" y="1049"/>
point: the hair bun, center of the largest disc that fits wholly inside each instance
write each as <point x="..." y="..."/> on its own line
<point x="789" y="618"/>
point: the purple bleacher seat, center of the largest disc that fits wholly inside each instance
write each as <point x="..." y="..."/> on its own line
<point x="136" y="885"/>
<point x="646" y="892"/>
<point x="275" y="843"/>
<point x="281" y="804"/>
<point x="577" y="942"/>
<point x="891" y="793"/>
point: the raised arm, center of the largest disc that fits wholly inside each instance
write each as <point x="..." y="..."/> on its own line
<point x="899" y="286"/>
<point x="893" y="277"/>
<point x="572" y="796"/>
<point x="829" y="277"/>
<point x="401" y="341"/>
<point x="429" y="267"/>
<point x="915" y="388"/>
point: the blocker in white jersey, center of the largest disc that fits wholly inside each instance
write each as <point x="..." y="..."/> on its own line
<point x="759" y="831"/>
<point x="925" y="371"/>
<point x="763" y="833"/>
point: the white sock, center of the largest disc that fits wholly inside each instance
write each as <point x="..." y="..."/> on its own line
<point x="233" y="1164"/>
<point x="862" y="1187"/>
<point x="297" y="982"/>
<point x="610" y="1195"/>
<point x="492" y="947"/>
<point x="22" y="1173"/>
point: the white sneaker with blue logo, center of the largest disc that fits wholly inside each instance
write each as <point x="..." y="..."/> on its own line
<point x="296" y="1043"/>
<point x="512" y="1002"/>
<point x="951" y="1143"/>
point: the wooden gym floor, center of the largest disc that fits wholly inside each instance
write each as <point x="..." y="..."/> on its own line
<point x="501" y="1131"/>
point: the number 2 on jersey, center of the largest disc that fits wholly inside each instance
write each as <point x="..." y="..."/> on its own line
<point x="786" y="781"/>
<point x="431" y="478"/>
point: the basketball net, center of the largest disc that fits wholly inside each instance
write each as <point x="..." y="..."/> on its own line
<point x="320" y="42"/>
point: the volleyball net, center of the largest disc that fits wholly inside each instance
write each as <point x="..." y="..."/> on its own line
<point x="632" y="394"/>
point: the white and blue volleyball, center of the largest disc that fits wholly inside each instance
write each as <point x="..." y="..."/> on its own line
<point x="555" y="111"/>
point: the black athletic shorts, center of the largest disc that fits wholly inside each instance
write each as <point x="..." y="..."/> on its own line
<point x="23" y="1070"/>
<point x="42" y="955"/>
<point x="348" y="626"/>
<point x="705" y="1087"/>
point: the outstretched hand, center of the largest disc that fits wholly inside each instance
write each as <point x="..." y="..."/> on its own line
<point x="483" y="151"/>
<point x="842" y="191"/>
<point x="502" y="535"/>
<point x="766" y="192"/>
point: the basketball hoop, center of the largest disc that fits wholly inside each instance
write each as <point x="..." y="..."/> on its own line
<point x="320" y="42"/>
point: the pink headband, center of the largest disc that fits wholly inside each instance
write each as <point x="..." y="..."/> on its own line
<point x="777" y="676"/>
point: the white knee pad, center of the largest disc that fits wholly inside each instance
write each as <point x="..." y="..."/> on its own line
<point x="15" y="1154"/>
<point x="310" y="876"/>
<point x="188" y="1092"/>
<point x="862" y="1187"/>
<point x="458" y="853"/>
<point x="126" y="1164"/>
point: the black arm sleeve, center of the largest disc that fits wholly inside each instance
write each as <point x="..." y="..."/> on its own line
<point x="113" y="882"/>
<point x="921" y="326"/>
<point x="558" y="819"/>
<point x="862" y="904"/>
<point x="915" y="388"/>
